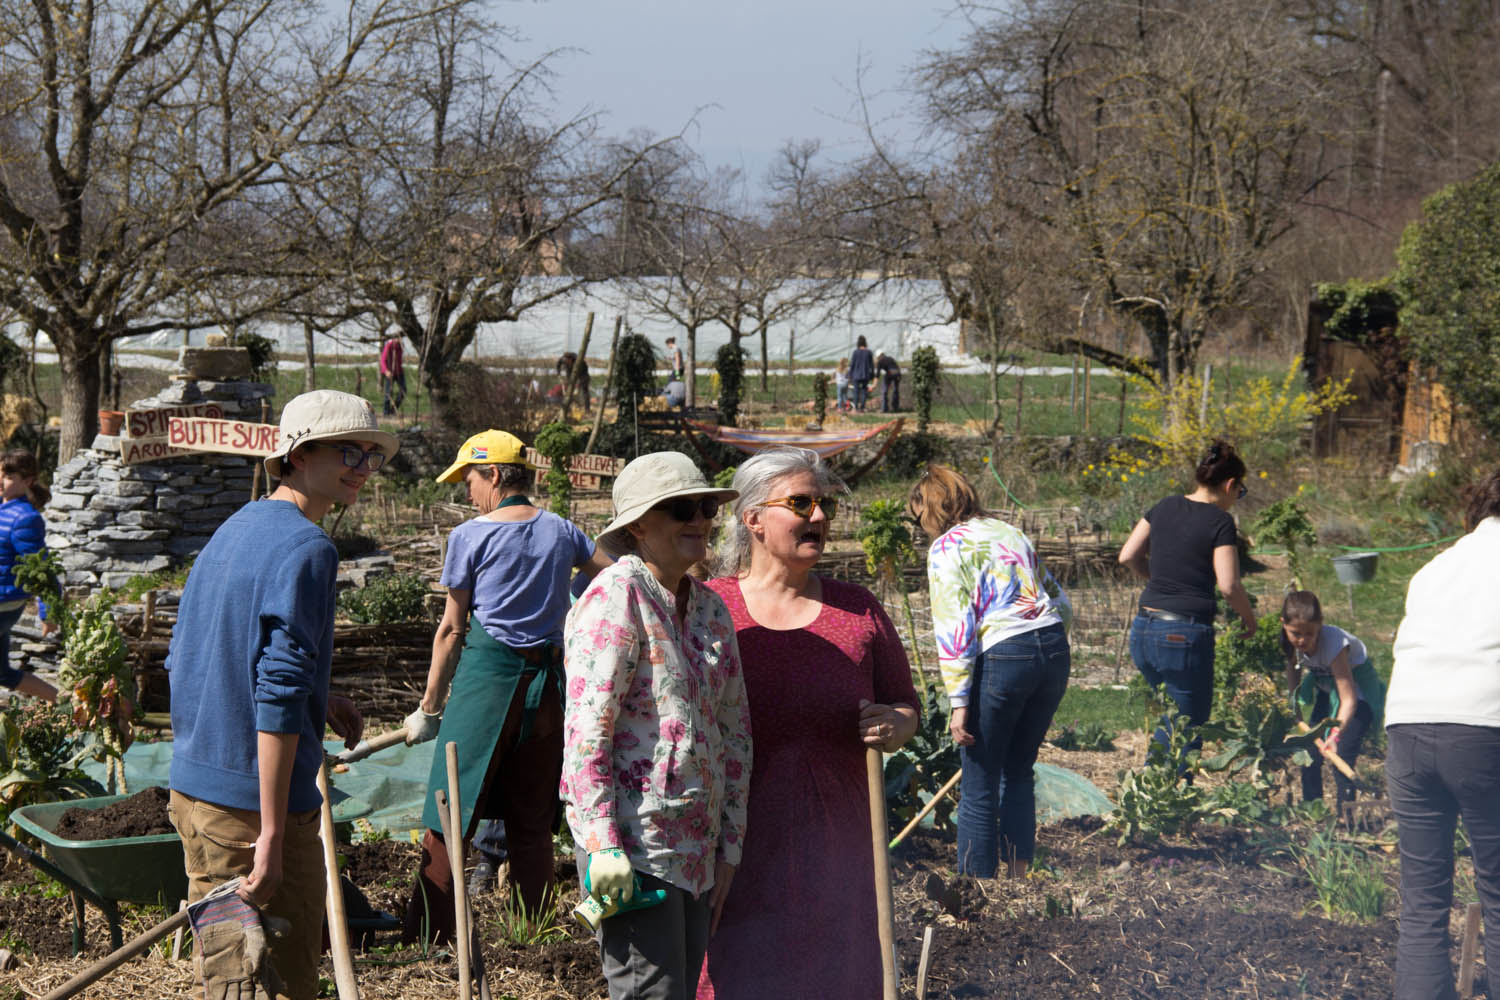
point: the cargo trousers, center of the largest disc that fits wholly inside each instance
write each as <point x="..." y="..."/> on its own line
<point x="218" y="844"/>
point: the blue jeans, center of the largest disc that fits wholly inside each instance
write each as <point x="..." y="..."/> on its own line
<point x="861" y="390"/>
<point x="9" y="676"/>
<point x="1015" y="691"/>
<point x="1436" y="772"/>
<point x="1180" y="657"/>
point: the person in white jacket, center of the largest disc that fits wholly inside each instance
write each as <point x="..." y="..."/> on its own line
<point x="1443" y="762"/>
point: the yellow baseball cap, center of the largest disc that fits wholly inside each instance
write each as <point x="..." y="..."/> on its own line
<point x="486" y="448"/>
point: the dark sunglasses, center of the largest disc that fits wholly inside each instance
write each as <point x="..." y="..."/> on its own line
<point x="1243" y="490"/>
<point x="802" y="505"/>
<point x="684" y="509"/>
<point x="354" y="455"/>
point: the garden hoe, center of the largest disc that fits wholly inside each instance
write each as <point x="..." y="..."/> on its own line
<point x="1338" y="762"/>
<point x="365" y="748"/>
<point x="885" y="907"/>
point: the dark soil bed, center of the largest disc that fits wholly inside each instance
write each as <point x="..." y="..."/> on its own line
<point x="1193" y="918"/>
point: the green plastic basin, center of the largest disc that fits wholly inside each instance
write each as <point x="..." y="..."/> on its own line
<point x="137" y="869"/>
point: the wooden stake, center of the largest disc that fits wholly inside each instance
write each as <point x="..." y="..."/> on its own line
<point x="455" y="836"/>
<point x="1020" y="394"/>
<point x="177" y="935"/>
<point x="1469" y="951"/>
<point x="338" y="920"/>
<point x="1088" y="371"/>
<point x="609" y="377"/>
<point x="148" y="614"/>
<point x="923" y="964"/>
<point x="885" y="907"/>
<point x="931" y="804"/>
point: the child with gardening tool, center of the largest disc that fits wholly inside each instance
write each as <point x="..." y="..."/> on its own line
<point x="22" y="532"/>
<point x="249" y="667"/>
<point x="657" y="755"/>
<point x="500" y="644"/>
<point x="1328" y="673"/>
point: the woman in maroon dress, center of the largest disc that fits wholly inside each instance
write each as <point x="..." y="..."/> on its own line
<point x="826" y="676"/>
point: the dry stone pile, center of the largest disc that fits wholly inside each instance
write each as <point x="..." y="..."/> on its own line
<point x="109" y="521"/>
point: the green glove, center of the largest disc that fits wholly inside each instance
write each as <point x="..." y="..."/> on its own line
<point x="610" y="876"/>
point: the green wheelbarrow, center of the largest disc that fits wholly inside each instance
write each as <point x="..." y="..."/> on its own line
<point x="121" y="869"/>
<point x="101" y="872"/>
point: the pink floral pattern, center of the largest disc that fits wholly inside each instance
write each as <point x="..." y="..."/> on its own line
<point x="656" y="754"/>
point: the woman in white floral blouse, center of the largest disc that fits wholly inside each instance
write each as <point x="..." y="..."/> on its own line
<point x="657" y="733"/>
<point x="999" y="619"/>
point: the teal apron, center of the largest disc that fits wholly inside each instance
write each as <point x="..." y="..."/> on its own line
<point x="488" y="676"/>
<point x="1366" y="681"/>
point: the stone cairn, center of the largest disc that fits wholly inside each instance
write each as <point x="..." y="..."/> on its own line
<point x="109" y="521"/>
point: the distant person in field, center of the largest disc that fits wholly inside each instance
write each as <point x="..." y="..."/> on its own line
<point x="565" y="372"/>
<point x="392" y="375"/>
<point x="841" y="385"/>
<point x="861" y="372"/>
<point x="674" y="358"/>
<point x="890" y="382"/>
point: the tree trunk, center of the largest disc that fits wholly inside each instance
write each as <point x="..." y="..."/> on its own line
<point x="690" y="366"/>
<point x="309" y="371"/>
<point x="765" y="356"/>
<point x="80" y="393"/>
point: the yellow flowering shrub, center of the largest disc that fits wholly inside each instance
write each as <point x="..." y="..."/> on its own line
<point x="1263" y="413"/>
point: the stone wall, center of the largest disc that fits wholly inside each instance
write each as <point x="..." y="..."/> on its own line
<point x="109" y="521"/>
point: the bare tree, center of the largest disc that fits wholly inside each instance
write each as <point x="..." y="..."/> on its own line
<point x="149" y="131"/>
<point x="1169" y="147"/>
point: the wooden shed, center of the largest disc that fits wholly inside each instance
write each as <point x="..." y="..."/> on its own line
<point x="1398" y="409"/>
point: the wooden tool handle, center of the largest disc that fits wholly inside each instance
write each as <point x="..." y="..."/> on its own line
<point x="338" y="921"/>
<point x="455" y="834"/>
<point x="1332" y="755"/>
<point x="119" y="956"/>
<point x="885" y="907"/>
<point x="931" y="804"/>
<point x="374" y="744"/>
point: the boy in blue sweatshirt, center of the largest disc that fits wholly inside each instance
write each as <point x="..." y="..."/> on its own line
<point x="249" y="668"/>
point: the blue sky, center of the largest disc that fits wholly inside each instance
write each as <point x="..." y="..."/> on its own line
<point x="755" y="73"/>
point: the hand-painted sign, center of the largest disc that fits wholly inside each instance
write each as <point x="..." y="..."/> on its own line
<point x="226" y="437"/>
<point x="152" y="423"/>
<point x="598" y="465"/>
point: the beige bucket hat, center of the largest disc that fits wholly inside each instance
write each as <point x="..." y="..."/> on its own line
<point x="646" y="482"/>
<point x="327" y="415"/>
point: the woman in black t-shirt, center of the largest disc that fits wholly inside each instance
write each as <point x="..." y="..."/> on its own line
<point x="1182" y="548"/>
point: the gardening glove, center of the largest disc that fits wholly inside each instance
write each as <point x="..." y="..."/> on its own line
<point x="232" y="947"/>
<point x="421" y="726"/>
<point x="610" y="876"/>
<point x="1331" y="740"/>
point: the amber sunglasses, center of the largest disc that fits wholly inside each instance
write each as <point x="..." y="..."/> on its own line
<point x="802" y="505"/>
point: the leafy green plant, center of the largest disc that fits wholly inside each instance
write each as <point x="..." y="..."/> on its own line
<point x="1093" y="736"/>
<point x="888" y="550"/>
<point x="95" y="681"/>
<point x="1260" y="739"/>
<point x="1237" y="660"/>
<point x="524" y="929"/>
<point x="262" y="355"/>
<point x="924" y="377"/>
<point x="558" y="443"/>
<point x="1158" y="799"/>
<point x="635" y="376"/>
<point x="1286" y="523"/>
<point x="1347" y="881"/>
<point x="41" y="756"/>
<point x="41" y="573"/>
<point x="923" y="765"/>
<point x="820" y="397"/>
<point x="729" y="363"/>
<point x="386" y="600"/>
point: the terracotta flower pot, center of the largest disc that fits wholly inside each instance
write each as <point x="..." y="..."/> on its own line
<point x="110" y="421"/>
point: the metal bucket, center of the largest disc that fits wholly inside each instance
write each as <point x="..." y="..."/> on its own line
<point x="1356" y="567"/>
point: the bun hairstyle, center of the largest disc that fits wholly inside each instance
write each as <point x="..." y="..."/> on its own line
<point x="1219" y="465"/>
<point x="1483" y="501"/>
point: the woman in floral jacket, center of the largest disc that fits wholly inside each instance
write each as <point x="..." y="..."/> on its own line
<point x="656" y="760"/>
<point x="1003" y="650"/>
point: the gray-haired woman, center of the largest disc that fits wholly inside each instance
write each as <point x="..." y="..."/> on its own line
<point x="826" y="676"/>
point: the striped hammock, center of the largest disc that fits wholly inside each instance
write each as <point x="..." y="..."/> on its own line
<point x="825" y="443"/>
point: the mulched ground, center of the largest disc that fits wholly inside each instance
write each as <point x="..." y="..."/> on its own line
<point x="1194" y="918"/>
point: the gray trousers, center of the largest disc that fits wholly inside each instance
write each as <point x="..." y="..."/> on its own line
<point x="656" y="953"/>
<point x="1435" y="773"/>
